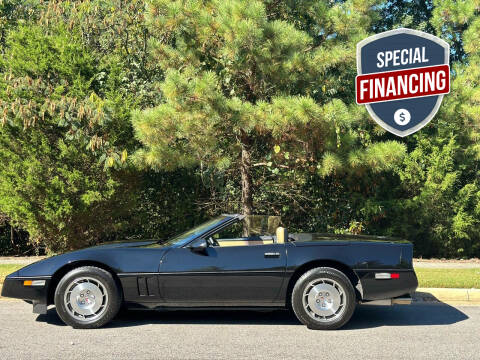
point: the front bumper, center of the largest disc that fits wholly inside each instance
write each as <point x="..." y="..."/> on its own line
<point x="13" y="287"/>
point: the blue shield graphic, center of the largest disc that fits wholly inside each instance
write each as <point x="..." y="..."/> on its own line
<point x="406" y="116"/>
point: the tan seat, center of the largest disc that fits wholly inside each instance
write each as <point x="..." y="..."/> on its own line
<point x="282" y="235"/>
<point x="226" y="242"/>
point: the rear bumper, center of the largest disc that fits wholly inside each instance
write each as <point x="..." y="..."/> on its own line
<point x="13" y="287"/>
<point x="379" y="289"/>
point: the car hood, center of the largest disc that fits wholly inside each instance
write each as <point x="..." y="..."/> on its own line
<point x="126" y="244"/>
<point x="120" y="256"/>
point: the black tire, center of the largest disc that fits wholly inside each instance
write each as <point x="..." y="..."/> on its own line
<point x="306" y="315"/>
<point x="111" y="304"/>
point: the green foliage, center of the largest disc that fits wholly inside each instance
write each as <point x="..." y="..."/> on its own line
<point x="236" y="76"/>
<point x="51" y="184"/>
<point x="235" y="105"/>
<point x="71" y="72"/>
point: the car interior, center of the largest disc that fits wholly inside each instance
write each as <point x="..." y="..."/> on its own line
<point x="252" y="230"/>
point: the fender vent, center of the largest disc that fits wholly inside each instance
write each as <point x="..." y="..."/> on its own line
<point x="147" y="286"/>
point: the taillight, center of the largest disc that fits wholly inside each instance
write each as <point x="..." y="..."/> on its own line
<point x="385" y="276"/>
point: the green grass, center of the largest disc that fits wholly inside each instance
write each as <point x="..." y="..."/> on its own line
<point x="6" y="269"/>
<point x="448" y="278"/>
<point x="427" y="277"/>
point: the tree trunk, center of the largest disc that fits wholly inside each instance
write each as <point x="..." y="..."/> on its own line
<point x="245" y="170"/>
<point x="12" y="236"/>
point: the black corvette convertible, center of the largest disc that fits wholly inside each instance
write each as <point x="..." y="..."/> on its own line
<point x="222" y="264"/>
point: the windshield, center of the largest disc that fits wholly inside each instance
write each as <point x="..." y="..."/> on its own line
<point x="191" y="234"/>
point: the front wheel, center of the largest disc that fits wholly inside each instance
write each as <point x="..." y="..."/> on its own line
<point x="87" y="297"/>
<point x="323" y="299"/>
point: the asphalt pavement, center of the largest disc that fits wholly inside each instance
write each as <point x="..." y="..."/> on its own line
<point x="435" y="331"/>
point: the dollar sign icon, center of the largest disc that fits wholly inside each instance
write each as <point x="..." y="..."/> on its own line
<point x="402" y="117"/>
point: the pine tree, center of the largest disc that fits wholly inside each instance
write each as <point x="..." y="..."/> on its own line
<point x="243" y="73"/>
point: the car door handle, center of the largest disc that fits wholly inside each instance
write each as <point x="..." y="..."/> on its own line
<point x="272" y="255"/>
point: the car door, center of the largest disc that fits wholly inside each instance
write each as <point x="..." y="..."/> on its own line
<point x="223" y="276"/>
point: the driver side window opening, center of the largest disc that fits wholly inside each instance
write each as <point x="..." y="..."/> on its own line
<point x="259" y="229"/>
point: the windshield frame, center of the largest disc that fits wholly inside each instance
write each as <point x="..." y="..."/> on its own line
<point x="198" y="231"/>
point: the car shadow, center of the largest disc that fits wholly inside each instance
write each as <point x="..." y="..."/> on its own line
<point x="127" y="318"/>
<point x="365" y="317"/>
<point x="371" y="316"/>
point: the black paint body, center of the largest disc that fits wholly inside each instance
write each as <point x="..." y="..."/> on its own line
<point x="152" y="275"/>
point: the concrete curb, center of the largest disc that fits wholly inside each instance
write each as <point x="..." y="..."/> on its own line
<point x="448" y="296"/>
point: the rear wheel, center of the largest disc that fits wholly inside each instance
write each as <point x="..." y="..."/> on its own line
<point x="87" y="297"/>
<point x="323" y="299"/>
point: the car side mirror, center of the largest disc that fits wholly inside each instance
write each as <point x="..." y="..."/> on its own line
<point x="199" y="246"/>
